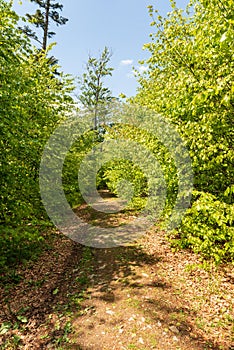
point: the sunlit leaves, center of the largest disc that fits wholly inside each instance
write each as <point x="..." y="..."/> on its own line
<point x="190" y="81"/>
<point x="32" y="102"/>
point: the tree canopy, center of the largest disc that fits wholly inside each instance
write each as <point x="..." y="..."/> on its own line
<point x="48" y="10"/>
<point x="93" y="92"/>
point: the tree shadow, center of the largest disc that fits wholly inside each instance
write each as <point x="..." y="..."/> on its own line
<point x="157" y="309"/>
<point x="59" y="283"/>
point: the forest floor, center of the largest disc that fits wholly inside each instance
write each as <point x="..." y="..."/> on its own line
<point x="141" y="296"/>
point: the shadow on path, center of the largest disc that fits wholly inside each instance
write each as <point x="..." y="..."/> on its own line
<point x="98" y="290"/>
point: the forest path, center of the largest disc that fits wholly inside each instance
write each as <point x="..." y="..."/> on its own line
<point x="141" y="296"/>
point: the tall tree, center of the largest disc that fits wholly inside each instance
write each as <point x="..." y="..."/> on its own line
<point x="93" y="92"/>
<point x="48" y="10"/>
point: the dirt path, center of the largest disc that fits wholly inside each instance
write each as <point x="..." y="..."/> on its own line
<point x="140" y="297"/>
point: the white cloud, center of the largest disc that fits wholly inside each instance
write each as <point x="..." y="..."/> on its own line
<point x="136" y="71"/>
<point x="126" y="62"/>
<point x="143" y="69"/>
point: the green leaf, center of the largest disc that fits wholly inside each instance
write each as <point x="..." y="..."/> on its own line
<point x="55" y="292"/>
<point x="5" y="326"/>
<point x="22" y="319"/>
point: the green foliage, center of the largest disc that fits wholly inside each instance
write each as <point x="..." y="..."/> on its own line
<point x="208" y="228"/>
<point x="19" y="244"/>
<point x="32" y="102"/>
<point x="116" y="171"/>
<point x="190" y="82"/>
<point x="79" y="149"/>
<point x="93" y="94"/>
<point x="48" y="10"/>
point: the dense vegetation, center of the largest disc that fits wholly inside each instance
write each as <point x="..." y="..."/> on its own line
<point x="32" y="102"/>
<point x="189" y="81"/>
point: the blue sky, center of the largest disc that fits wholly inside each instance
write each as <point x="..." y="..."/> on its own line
<point x="122" y="25"/>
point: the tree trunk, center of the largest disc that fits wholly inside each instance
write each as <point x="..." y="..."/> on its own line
<point x="96" y="103"/>
<point x="46" y="28"/>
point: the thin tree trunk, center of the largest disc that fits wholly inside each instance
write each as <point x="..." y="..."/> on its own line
<point x="95" y="117"/>
<point x="96" y="104"/>
<point x="46" y="29"/>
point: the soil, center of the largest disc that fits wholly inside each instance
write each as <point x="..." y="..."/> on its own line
<point x="141" y="296"/>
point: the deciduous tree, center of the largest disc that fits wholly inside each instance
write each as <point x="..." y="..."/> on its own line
<point x="190" y="82"/>
<point x="32" y="102"/>
<point x="93" y="93"/>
